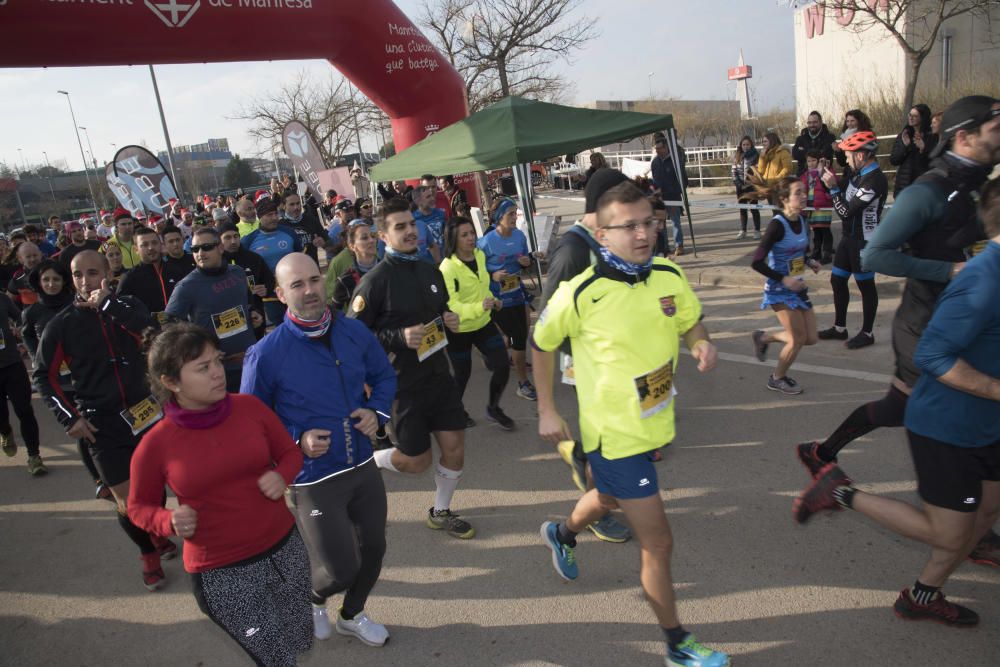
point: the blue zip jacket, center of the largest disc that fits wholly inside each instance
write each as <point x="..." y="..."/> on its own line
<point x="311" y="385"/>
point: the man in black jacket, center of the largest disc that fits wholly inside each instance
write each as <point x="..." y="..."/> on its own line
<point x="404" y="300"/>
<point x="814" y="136"/>
<point x="78" y="243"/>
<point x="305" y="224"/>
<point x="260" y="280"/>
<point x="152" y="281"/>
<point x="98" y="339"/>
<point x="668" y="187"/>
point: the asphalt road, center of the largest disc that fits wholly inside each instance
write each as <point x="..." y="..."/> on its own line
<point x="749" y="581"/>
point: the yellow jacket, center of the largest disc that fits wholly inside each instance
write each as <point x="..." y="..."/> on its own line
<point x="467" y="291"/>
<point x="774" y="164"/>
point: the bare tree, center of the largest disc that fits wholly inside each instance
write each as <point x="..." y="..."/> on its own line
<point x="507" y="47"/>
<point x="914" y="24"/>
<point x="325" y="108"/>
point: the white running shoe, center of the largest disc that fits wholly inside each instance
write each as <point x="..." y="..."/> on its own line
<point x="365" y="629"/>
<point x="741" y="235"/>
<point x="321" y="623"/>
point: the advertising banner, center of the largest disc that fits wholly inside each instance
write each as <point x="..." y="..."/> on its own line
<point x="300" y="146"/>
<point x="121" y="192"/>
<point x="144" y="177"/>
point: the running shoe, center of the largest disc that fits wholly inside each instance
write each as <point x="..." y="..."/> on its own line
<point x="321" y="623"/>
<point x="469" y="421"/>
<point x="819" y="495"/>
<point x="690" y="653"/>
<point x="756" y="235"/>
<point x="567" y="450"/>
<point x="102" y="492"/>
<point x="445" y="520"/>
<point x="364" y="628"/>
<point x="36" y="467"/>
<point x="497" y="416"/>
<point x="563" y="557"/>
<point x="938" y="610"/>
<point x="166" y="548"/>
<point x="526" y="390"/>
<point x="610" y="529"/>
<point x="832" y="334"/>
<point x="8" y="444"/>
<point x="759" y="346"/>
<point x="679" y="251"/>
<point x="987" y="551"/>
<point x="808" y="453"/>
<point x="741" y="235"/>
<point x="785" y="385"/>
<point x="152" y="574"/>
<point x="861" y="340"/>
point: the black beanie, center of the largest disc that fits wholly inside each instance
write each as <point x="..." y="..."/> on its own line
<point x="600" y="182"/>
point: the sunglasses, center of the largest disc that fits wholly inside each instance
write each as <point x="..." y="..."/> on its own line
<point x="204" y="247"/>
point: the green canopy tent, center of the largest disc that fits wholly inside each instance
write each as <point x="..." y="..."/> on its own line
<point x="515" y="132"/>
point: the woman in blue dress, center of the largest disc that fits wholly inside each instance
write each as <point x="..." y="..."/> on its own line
<point x="782" y="257"/>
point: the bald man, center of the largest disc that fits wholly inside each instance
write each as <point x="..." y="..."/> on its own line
<point x="312" y="371"/>
<point x="98" y="339"/>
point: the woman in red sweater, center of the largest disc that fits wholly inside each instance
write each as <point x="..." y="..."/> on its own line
<point x="228" y="459"/>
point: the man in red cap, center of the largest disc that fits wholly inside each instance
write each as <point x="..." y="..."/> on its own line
<point x="105" y="228"/>
<point x="77" y="243"/>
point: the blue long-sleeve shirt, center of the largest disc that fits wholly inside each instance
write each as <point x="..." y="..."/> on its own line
<point x="317" y="384"/>
<point x="503" y="253"/>
<point x="966" y="326"/>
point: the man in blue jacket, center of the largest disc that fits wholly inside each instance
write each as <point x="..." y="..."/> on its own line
<point x="312" y="371"/>
<point x="668" y="187"/>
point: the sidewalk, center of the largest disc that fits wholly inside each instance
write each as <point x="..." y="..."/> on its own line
<point x="721" y="261"/>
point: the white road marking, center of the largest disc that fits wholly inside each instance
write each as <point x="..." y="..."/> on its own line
<point x="879" y="378"/>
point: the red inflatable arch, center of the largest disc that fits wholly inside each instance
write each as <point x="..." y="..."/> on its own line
<point x="371" y="41"/>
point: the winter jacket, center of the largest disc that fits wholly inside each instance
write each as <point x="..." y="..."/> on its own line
<point x="739" y="169"/>
<point x="805" y="142"/>
<point x="153" y="284"/>
<point x="318" y="383"/>
<point x="820" y="195"/>
<point x="664" y="174"/>
<point x="776" y="163"/>
<point x="467" y="291"/>
<point x="101" y="348"/>
<point x="910" y="162"/>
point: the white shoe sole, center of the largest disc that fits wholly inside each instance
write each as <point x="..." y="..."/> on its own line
<point x="350" y="633"/>
<point x="555" y="555"/>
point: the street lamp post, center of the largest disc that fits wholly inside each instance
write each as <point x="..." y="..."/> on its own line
<point x="86" y="172"/>
<point x="24" y="164"/>
<point x="649" y="78"/>
<point x="49" y="165"/>
<point x="93" y="158"/>
<point x="166" y="134"/>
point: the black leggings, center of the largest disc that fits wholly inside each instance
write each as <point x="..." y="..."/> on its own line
<point x="16" y="388"/>
<point x="342" y="521"/>
<point x="490" y="344"/>
<point x="842" y="297"/>
<point x="262" y="602"/>
<point x="753" y="212"/>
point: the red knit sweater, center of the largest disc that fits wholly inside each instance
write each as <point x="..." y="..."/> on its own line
<point x="215" y="471"/>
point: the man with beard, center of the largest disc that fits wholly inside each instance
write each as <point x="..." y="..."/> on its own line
<point x="248" y="217"/>
<point x="153" y="281"/>
<point x="815" y="136"/>
<point x="124" y="226"/>
<point x="271" y="241"/>
<point x="173" y="244"/>
<point x="305" y="224"/>
<point x="260" y="280"/>
<point x="77" y="243"/>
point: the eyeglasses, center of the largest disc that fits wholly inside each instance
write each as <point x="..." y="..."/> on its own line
<point x="204" y="247"/>
<point x="633" y="227"/>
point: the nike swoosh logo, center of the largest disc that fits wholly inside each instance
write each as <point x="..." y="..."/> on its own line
<point x="595" y="299"/>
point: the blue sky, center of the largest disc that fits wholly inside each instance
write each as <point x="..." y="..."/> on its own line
<point x="687" y="45"/>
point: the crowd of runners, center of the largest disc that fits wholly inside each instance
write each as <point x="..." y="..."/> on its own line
<point x="204" y="352"/>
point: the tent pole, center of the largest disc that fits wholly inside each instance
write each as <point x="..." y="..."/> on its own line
<point x="675" y="156"/>
<point x="527" y="203"/>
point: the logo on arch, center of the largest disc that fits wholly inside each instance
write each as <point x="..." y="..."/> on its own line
<point x="174" y="13"/>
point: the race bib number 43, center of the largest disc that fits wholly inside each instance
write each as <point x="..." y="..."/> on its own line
<point x="655" y="390"/>
<point x="434" y="339"/>
<point x="230" y="322"/>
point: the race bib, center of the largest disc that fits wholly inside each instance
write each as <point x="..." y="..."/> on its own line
<point x="974" y="249"/>
<point x="434" y="339"/>
<point x="64" y="368"/>
<point x="796" y="266"/>
<point x="566" y="366"/>
<point x="656" y="390"/>
<point x="142" y="415"/>
<point x="230" y="322"/>
<point x="161" y="317"/>
<point x="510" y="284"/>
<point x="250" y="281"/>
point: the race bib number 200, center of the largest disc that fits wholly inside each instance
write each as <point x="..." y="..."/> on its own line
<point x="655" y="390"/>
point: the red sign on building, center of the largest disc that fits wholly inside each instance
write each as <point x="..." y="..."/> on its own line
<point x="741" y="72"/>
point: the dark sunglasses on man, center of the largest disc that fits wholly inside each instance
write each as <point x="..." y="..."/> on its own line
<point x="204" y="247"/>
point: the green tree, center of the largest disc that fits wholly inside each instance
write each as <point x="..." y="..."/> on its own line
<point x="239" y="173"/>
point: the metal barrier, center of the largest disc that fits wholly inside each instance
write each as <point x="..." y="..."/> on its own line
<point x="702" y="158"/>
